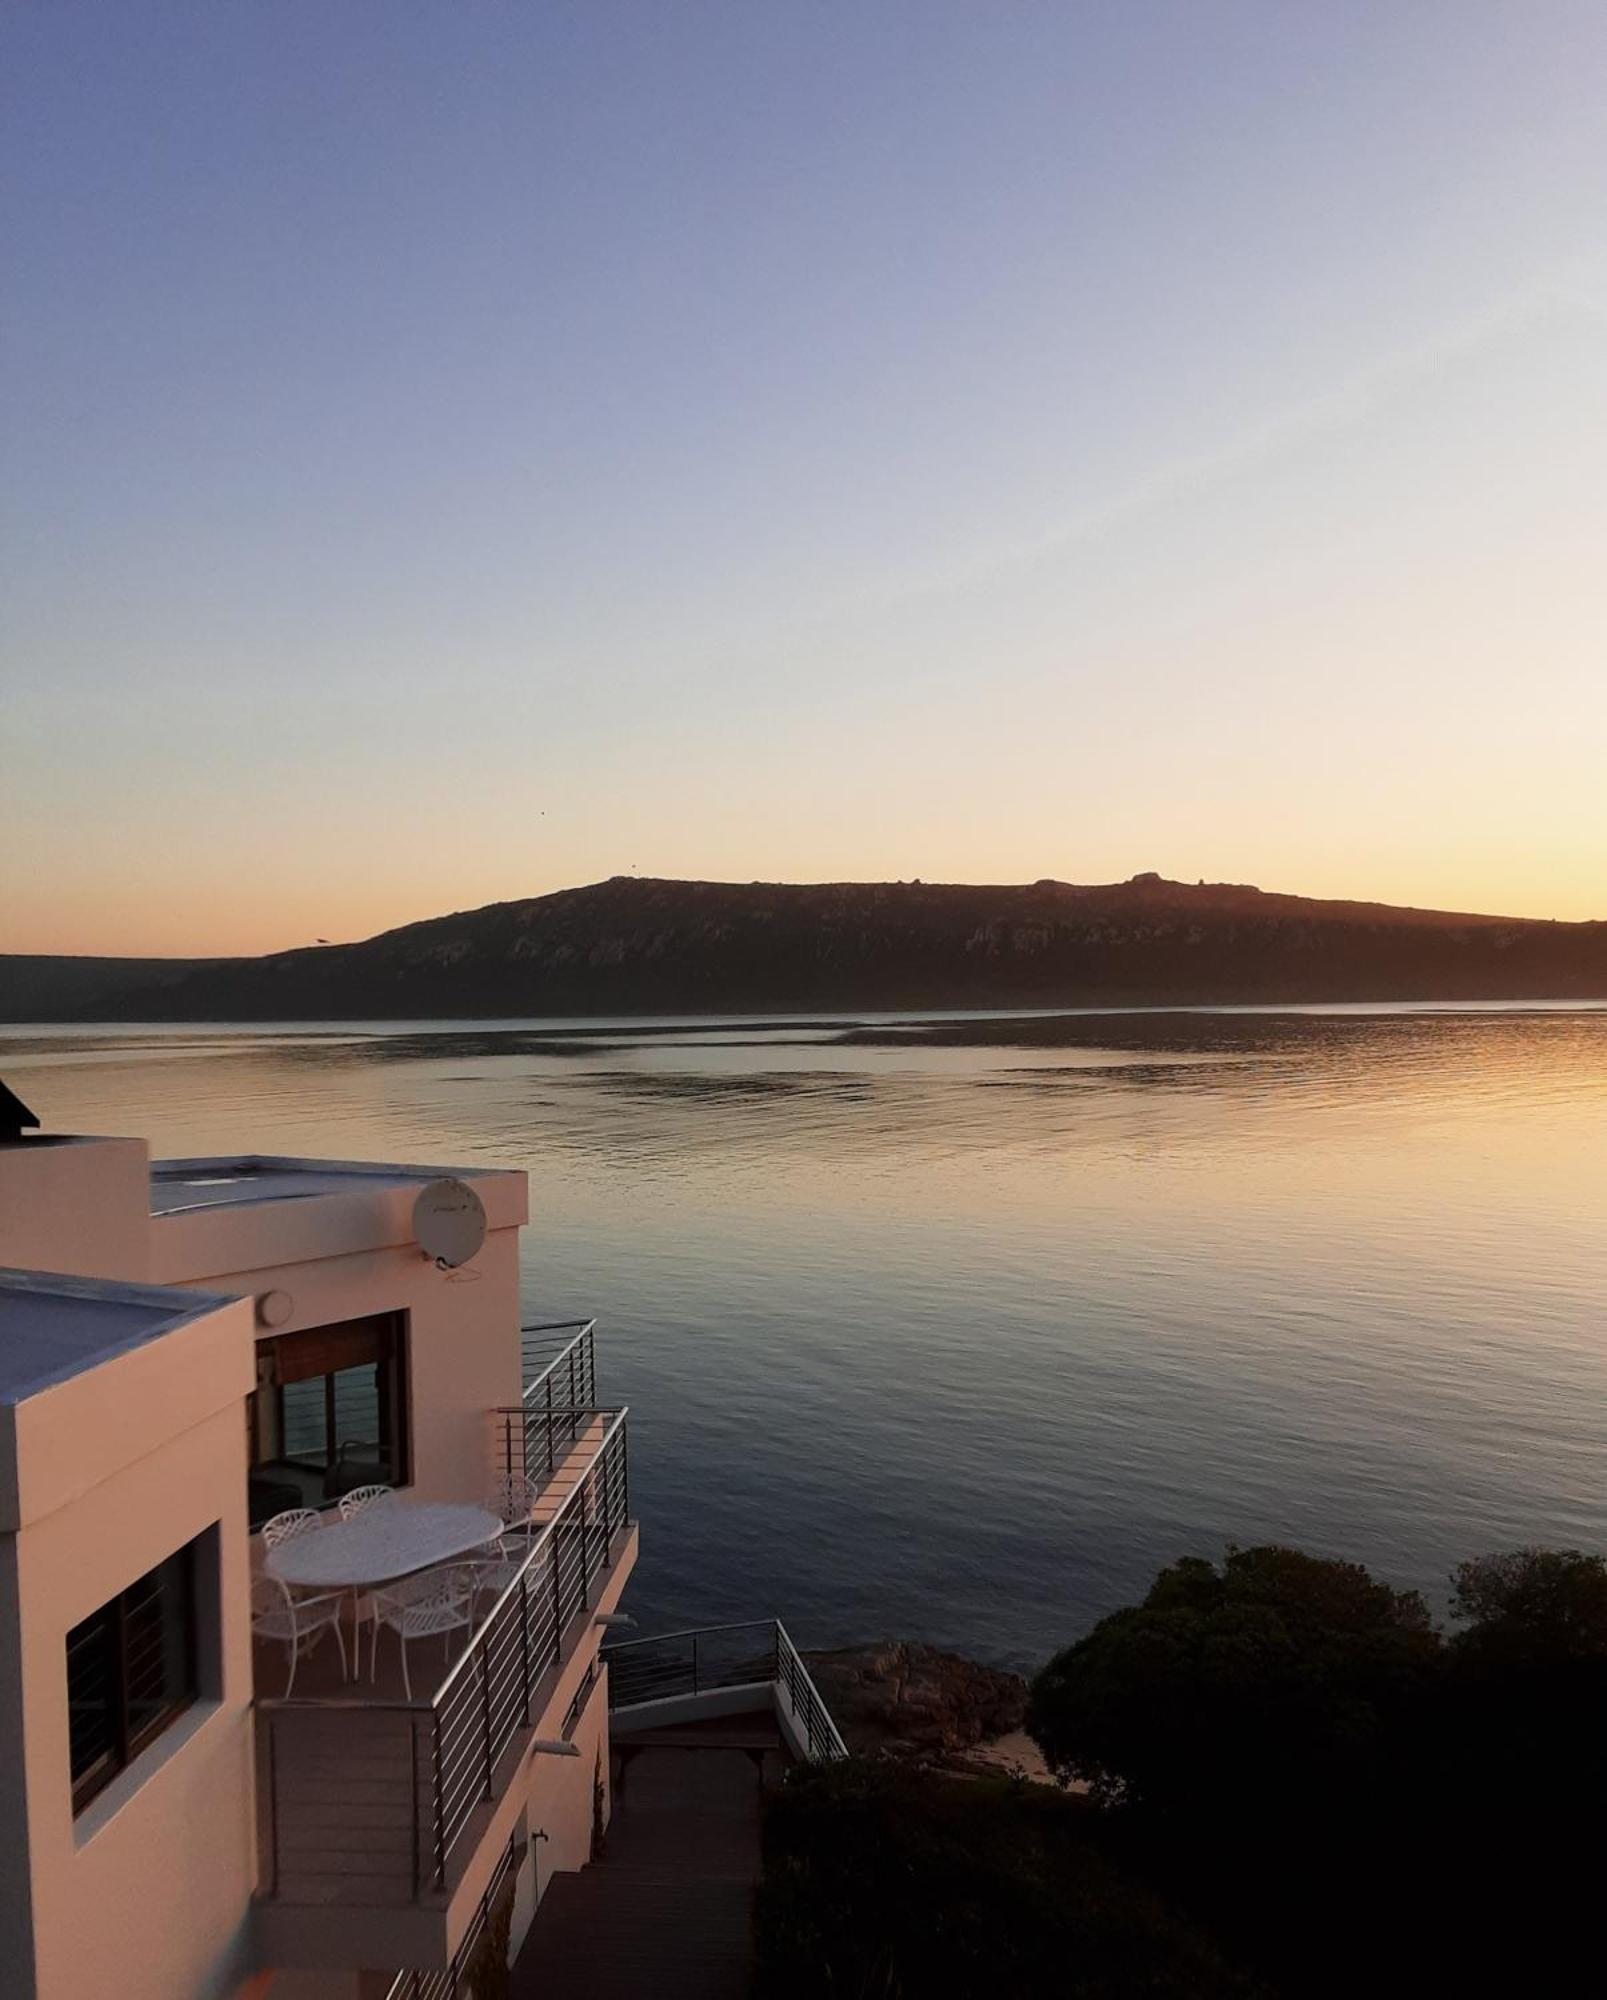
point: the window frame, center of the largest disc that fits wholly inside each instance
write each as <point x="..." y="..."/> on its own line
<point x="389" y="1329"/>
<point x="130" y="1740"/>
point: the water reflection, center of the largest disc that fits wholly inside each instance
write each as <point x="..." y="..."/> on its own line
<point x="961" y="1329"/>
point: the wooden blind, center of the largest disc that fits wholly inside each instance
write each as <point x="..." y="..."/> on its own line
<point x="324" y="1350"/>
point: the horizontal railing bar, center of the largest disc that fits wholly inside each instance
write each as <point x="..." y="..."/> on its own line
<point x="560" y="1417"/>
<point x="543" y="1353"/>
<point x="690" y="1632"/>
<point x="546" y="1536"/>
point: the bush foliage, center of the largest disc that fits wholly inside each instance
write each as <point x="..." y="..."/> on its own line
<point x="1299" y="1787"/>
<point x="1265" y="1670"/>
<point x="1291" y="1752"/>
<point x="883" y="1879"/>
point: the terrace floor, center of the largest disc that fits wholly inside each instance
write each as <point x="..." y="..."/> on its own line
<point x="318" y="1675"/>
<point x="666" y="1913"/>
<point x="347" y="1783"/>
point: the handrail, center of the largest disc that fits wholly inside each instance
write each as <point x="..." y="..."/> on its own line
<point x="539" y="1542"/>
<point x="776" y="1664"/>
<point x="808" y="1702"/>
<point x="691" y="1632"/>
<point x="410" y="1984"/>
<point x="575" y="1356"/>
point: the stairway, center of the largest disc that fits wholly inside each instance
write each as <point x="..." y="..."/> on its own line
<point x="665" y="1914"/>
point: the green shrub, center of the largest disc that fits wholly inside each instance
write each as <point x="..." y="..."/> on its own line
<point x="890" y="1881"/>
<point x="1252" y="1676"/>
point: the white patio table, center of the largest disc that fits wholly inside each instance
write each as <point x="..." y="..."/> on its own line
<point x="390" y="1538"/>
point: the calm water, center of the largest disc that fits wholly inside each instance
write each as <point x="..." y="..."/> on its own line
<point x="963" y="1342"/>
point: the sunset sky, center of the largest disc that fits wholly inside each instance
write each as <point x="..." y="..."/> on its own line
<point x="456" y="451"/>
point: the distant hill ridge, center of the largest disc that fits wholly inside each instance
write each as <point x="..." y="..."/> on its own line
<point x="635" y="945"/>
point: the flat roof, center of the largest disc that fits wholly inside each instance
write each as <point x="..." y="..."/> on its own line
<point x="231" y="1181"/>
<point x="53" y="1328"/>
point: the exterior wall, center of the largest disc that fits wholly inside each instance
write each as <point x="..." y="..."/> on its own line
<point x="16" y="1902"/>
<point x="463" y="1340"/>
<point x="562" y="1791"/>
<point x="78" y="1206"/>
<point x="562" y="1806"/>
<point x="67" y="1438"/>
<point x="147" y="1893"/>
<point x="248" y="1235"/>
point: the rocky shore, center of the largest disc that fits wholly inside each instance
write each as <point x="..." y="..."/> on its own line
<point x="900" y="1698"/>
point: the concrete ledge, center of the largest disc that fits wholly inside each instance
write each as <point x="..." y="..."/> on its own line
<point x="746" y="1699"/>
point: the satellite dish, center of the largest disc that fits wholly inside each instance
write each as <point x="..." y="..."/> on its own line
<point x="449" y="1222"/>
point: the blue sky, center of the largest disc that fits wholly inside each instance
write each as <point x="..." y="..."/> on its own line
<point x="455" y="451"/>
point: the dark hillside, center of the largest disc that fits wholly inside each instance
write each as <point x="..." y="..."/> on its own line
<point x="633" y="946"/>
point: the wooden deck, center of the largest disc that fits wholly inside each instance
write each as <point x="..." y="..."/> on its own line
<point x="666" y="1914"/>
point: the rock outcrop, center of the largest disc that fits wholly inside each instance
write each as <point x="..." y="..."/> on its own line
<point x="905" y="1699"/>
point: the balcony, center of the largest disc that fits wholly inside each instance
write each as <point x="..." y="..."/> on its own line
<point x="379" y="1814"/>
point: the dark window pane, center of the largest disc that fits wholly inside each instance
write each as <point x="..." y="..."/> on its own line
<point x="330" y="1413"/>
<point x="131" y="1668"/>
<point x="91" y="1690"/>
<point x="306" y="1438"/>
<point x="357" y="1411"/>
<point x="157" y="1642"/>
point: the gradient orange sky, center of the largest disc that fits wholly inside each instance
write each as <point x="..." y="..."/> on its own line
<point x="769" y="443"/>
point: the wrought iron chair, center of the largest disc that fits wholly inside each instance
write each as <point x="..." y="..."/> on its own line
<point x="513" y="1498"/>
<point x="502" y="1562"/>
<point x="297" y="1623"/>
<point x="292" y="1522"/>
<point x="351" y="1505"/>
<point x="435" y="1601"/>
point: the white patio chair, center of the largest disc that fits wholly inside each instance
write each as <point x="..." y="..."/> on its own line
<point x="436" y="1600"/>
<point x="361" y="1497"/>
<point x="297" y="1623"/>
<point x="352" y="1504"/>
<point x="286" y="1526"/>
<point x="502" y="1561"/>
<point x="513" y="1498"/>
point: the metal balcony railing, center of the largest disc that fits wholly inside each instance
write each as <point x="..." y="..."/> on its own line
<point x="371" y="1798"/>
<point x="558" y="1362"/>
<point x="713" y="1658"/>
<point x="452" y="1982"/>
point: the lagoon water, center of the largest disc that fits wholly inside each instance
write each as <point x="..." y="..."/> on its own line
<point x="961" y="1338"/>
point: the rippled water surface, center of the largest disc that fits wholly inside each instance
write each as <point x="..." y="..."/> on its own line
<point x="961" y="1332"/>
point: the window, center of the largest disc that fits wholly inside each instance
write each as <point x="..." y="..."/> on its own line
<point x="131" y="1670"/>
<point x="329" y="1413"/>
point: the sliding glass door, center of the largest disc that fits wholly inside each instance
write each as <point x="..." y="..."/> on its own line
<point x="329" y="1413"/>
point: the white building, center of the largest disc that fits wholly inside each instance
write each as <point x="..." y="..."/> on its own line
<point x="186" y="1349"/>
